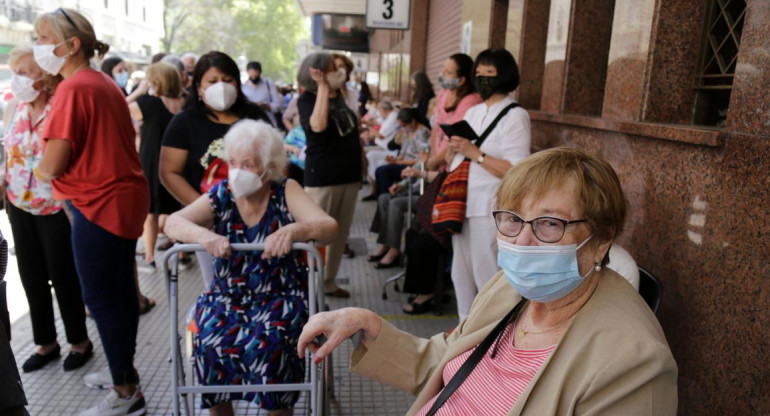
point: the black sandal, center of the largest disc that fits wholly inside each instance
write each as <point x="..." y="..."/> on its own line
<point x="376" y="257"/>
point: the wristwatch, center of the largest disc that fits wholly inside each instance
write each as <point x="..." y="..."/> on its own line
<point x="480" y="159"/>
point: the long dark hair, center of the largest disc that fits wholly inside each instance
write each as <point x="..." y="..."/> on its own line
<point x="109" y="64"/>
<point x="422" y="86"/>
<point x="464" y="69"/>
<point x="365" y="91"/>
<point x="242" y="107"/>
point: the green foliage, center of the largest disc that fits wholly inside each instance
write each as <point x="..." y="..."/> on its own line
<point x="261" y="30"/>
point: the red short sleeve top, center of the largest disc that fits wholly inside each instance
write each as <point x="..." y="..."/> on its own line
<point x="104" y="177"/>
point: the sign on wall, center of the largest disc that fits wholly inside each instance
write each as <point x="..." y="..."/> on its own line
<point x="388" y="14"/>
<point x="465" y="44"/>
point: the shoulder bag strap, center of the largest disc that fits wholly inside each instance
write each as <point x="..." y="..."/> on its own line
<point x="494" y="123"/>
<point x="469" y="364"/>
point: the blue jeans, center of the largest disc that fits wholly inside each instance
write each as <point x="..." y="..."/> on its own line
<point x="105" y="264"/>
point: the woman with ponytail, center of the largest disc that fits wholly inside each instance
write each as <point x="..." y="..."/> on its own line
<point x="91" y="161"/>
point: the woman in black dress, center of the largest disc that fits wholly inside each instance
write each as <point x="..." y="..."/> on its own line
<point x="155" y="110"/>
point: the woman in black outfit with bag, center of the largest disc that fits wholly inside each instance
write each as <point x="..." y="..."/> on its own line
<point x="333" y="162"/>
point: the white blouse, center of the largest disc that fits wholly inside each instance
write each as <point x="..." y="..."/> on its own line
<point x="510" y="140"/>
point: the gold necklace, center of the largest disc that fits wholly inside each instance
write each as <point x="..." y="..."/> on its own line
<point x="521" y="333"/>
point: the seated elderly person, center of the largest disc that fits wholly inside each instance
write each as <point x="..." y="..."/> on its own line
<point x="411" y="139"/>
<point x="256" y="298"/>
<point x="553" y="333"/>
<point x="388" y="221"/>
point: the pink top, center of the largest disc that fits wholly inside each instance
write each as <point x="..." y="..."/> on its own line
<point x="444" y="117"/>
<point x="494" y="385"/>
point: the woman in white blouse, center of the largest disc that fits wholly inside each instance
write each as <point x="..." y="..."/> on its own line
<point x="475" y="249"/>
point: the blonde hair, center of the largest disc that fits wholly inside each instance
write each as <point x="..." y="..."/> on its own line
<point x="166" y="79"/>
<point x="598" y="189"/>
<point x="258" y="139"/>
<point x="68" y="23"/>
<point x="50" y="82"/>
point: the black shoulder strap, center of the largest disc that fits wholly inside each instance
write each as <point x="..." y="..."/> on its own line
<point x="494" y="123"/>
<point x="469" y="364"/>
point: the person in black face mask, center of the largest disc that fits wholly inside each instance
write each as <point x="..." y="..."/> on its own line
<point x="496" y="75"/>
<point x="263" y="92"/>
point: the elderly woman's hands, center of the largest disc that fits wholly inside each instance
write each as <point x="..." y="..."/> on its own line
<point x="217" y="245"/>
<point x="279" y="243"/>
<point x="337" y="326"/>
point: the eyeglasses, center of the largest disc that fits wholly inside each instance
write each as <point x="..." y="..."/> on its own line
<point x="546" y="229"/>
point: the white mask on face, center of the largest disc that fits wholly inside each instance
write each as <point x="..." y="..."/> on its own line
<point x="336" y="79"/>
<point x="47" y="60"/>
<point x="23" y="88"/>
<point x="220" y="96"/>
<point x="244" y="182"/>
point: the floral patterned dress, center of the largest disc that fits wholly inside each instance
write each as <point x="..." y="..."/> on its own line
<point x="23" y="152"/>
<point x="251" y="317"/>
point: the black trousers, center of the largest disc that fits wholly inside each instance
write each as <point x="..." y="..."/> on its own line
<point x="422" y="266"/>
<point x="44" y="256"/>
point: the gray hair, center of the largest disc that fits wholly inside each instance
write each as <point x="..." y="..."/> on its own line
<point x="190" y="55"/>
<point x="386" y="105"/>
<point x="318" y="60"/>
<point x="260" y="140"/>
<point x="176" y="61"/>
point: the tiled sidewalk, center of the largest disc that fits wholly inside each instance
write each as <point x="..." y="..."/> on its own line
<point x="51" y="391"/>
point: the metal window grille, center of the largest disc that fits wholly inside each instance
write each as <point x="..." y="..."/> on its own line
<point x="721" y="41"/>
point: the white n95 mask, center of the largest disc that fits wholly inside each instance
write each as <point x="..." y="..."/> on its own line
<point x="220" y="96"/>
<point x="243" y="182"/>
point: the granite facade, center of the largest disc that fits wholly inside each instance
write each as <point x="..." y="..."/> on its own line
<point x="699" y="197"/>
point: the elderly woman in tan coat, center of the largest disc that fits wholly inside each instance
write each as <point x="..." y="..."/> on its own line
<point x="554" y="333"/>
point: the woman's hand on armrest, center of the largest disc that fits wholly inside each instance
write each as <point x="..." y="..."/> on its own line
<point x="191" y="225"/>
<point x="337" y="326"/>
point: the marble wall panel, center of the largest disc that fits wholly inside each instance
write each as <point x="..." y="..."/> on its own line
<point x="627" y="63"/>
<point x="698" y="220"/>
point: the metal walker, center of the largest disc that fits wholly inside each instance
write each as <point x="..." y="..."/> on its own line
<point x="319" y="386"/>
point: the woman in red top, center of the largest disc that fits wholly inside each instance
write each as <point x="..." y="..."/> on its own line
<point x="90" y="158"/>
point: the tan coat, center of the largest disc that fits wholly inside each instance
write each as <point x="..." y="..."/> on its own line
<point x="613" y="360"/>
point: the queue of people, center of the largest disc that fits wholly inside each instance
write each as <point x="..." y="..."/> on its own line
<point x="528" y="262"/>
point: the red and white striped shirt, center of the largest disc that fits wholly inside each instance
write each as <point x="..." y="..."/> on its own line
<point x="494" y="385"/>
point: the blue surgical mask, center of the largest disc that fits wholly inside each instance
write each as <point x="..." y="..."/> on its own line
<point x="122" y="79"/>
<point x="541" y="273"/>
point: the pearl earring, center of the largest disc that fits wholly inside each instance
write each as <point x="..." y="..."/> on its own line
<point x="598" y="267"/>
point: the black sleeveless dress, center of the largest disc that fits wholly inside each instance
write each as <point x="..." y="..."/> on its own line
<point x="155" y="120"/>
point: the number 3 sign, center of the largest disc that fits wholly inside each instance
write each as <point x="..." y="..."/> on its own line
<point x="388" y="14"/>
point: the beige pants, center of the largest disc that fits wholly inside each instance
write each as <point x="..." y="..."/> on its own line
<point x="339" y="201"/>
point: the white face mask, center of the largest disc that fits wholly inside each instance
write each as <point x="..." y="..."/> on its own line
<point x="336" y="79"/>
<point x="220" y="96"/>
<point x="23" y="88"/>
<point x="47" y="60"/>
<point x="244" y="182"/>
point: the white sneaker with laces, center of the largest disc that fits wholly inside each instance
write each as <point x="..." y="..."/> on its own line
<point x="114" y="405"/>
<point x="101" y="379"/>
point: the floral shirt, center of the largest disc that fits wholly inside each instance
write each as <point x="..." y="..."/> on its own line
<point x="23" y="152"/>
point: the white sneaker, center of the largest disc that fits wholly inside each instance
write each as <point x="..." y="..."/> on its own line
<point x="102" y="379"/>
<point x="114" y="405"/>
